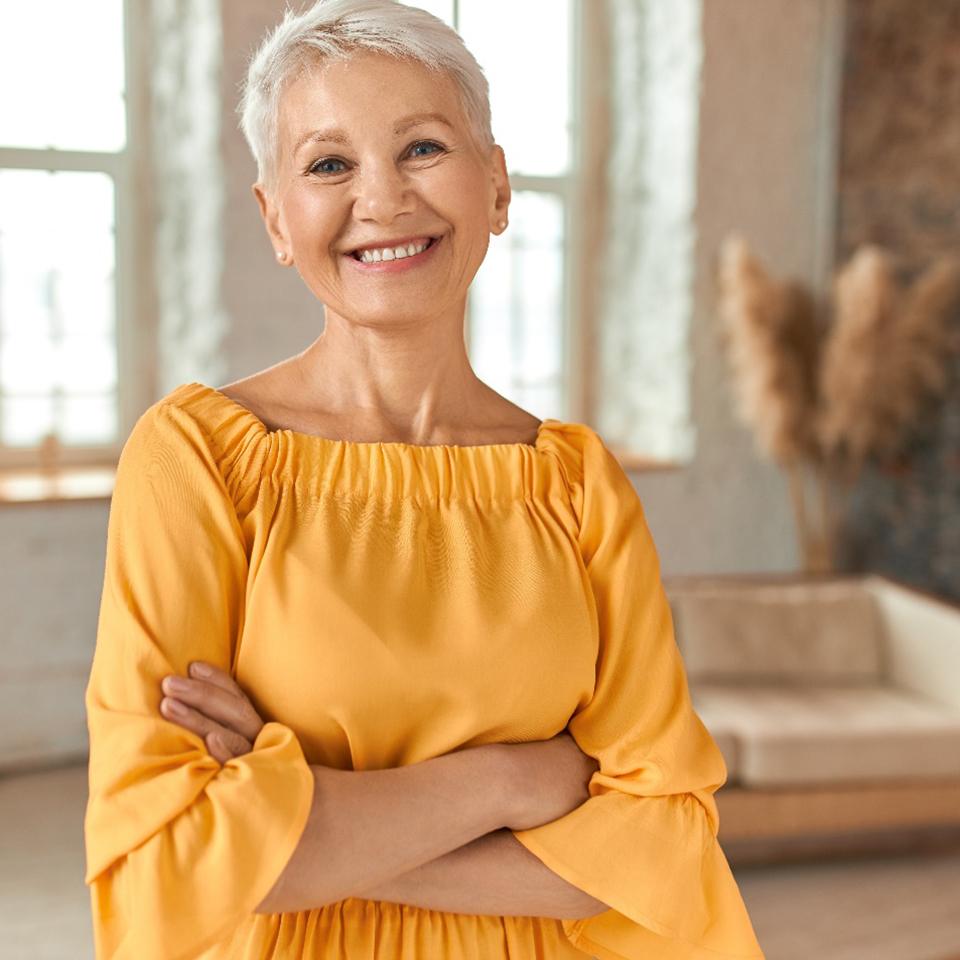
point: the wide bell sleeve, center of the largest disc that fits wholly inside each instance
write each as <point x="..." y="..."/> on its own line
<point x="179" y="848"/>
<point x="645" y="842"/>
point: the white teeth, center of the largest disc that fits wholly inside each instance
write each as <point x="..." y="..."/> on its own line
<point x="393" y="253"/>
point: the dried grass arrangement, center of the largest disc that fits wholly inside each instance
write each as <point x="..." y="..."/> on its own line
<point x="826" y="389"/>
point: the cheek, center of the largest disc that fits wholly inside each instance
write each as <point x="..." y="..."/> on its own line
<point x="311" y="219"/>
<point x="458" y="192"/>
<point x="461" y="192"/>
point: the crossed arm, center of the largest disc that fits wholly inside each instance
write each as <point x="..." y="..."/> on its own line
<point x="367" y="827"/>
<point x="494" y="874"/>
<point x="430" y="835"/>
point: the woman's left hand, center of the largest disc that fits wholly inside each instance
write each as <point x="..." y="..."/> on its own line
<point x="215" y="708"/>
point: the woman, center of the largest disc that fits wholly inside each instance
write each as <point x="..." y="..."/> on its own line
<point x="443" y="713"/>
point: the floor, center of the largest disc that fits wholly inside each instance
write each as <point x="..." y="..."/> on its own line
<point x="894" y="908"/>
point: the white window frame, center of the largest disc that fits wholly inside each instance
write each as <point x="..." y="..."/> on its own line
<point x="130" y="174"/>
<point x="579" y="212"/>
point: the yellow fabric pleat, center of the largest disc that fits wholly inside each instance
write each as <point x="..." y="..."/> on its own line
<point x="382" y="604"/>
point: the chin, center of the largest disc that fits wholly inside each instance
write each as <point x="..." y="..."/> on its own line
<point x="387" y="314"/>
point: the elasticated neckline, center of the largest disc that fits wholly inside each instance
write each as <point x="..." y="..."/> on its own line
<point x="250" y="454"/>
<point x="399" y="444"/>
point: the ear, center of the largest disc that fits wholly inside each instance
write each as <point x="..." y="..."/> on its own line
<point x="272" y="219"/>
<point x="500" y="188"/>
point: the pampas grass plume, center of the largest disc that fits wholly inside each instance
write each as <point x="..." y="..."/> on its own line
<point x="884" y="357"/>
<point x="770" y="337"/>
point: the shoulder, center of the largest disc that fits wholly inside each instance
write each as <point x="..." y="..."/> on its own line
<point x="194" y="430"/>
<point x="167" y="436"/>
<point x="174" y="419"/>
<point x="580" y="446"/>
<point x="598" y="483"/>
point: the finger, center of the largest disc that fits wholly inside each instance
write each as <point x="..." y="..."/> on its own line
<point x="224" y="748"/>
<point x="217" y="748"/>
<point x="234" y="712"/>
<point x="204" y="670"/>
<point x="214" y="675"/>
<point x="226" y="744"/>
<point x="195" y="721"/>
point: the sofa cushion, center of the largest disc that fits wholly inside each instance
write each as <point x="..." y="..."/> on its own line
<point x="790" y="735"/>
<point x="828" y="632"/>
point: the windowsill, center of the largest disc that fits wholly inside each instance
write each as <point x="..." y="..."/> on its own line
<point x="637" y="463"/>
<point x="57" y="485"/>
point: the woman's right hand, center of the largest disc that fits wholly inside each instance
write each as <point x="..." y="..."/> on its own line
<point x="545" y="779"/>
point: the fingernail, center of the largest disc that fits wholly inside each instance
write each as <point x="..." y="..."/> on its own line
<point x="176" y="684"/>
<point x="200" y="670"/>
<point x="175" y="706"/>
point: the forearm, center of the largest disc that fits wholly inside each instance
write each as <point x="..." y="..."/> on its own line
<point x="495" y="875"/>
<point x="366" y="826"/>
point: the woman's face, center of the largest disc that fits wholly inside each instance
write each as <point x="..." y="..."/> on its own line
<point x="359" y="165"/>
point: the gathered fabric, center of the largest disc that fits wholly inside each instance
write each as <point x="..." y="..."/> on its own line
<point x="382" y="604"/>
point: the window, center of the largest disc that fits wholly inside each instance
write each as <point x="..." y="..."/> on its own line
<point x="63" y="206"/>
<point x="521" y="308"/>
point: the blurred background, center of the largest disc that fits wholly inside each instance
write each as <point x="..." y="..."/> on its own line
<point x="732" y="250"/>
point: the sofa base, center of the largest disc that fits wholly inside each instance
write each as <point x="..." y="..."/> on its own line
<point x="763" y="825"/>
<point x="865" y="844"/>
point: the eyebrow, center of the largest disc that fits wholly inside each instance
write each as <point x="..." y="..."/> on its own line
<point x="336" y="135"/>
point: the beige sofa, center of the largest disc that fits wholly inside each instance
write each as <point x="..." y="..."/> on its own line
<point x="836" y="704"/>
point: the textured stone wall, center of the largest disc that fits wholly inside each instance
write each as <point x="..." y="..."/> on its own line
<point x="899" y="186"/>
<point x="899" y="173"/>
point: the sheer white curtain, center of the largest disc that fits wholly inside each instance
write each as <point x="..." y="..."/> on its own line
<point x="646" y="287"/>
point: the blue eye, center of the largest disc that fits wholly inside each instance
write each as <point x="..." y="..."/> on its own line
<point x="315" y="168"/>
<point x="427" y="143"/>
<point x="320" y="163"/>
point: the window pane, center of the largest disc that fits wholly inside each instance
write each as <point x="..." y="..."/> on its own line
<point x="89" y="419"/>
<point x="439" y="8"/>
<point x="61" y="70"/>
<point x="529" y="71"/>
<point x="516" y="306"/>
<point x="58" y="364"/>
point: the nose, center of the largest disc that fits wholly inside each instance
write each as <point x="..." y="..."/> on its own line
<point x="383" y="194"/>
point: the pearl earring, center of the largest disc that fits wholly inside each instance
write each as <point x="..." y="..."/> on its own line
<point x="281" y="256"/>
<point x="502" y="224"/>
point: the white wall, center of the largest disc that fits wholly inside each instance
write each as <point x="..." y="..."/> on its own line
<point x="765" y="168"/>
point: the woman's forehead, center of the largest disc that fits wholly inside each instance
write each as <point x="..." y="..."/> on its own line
<point x="364" y="89"/>
<point x="372" y="78"/>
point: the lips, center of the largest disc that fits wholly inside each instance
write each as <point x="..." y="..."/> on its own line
<point x="402" y="265"/>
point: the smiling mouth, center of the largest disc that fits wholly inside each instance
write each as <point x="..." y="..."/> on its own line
<point x="432" y="240"/>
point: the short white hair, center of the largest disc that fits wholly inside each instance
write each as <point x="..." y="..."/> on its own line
<point x="333" y="29"/>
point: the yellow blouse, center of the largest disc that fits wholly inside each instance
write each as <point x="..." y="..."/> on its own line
<point x="381" y="604"/>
